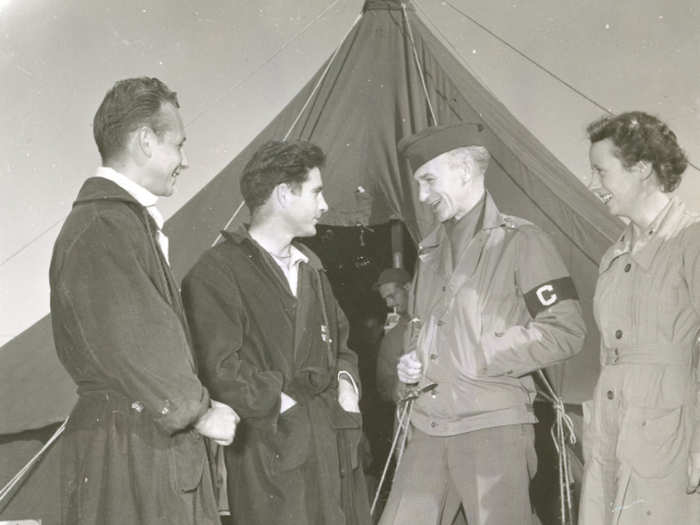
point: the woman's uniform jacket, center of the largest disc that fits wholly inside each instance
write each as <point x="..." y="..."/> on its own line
<point x="129" y="454"/>
<point x="254" y="340"/>
<point x="643" y="420"/>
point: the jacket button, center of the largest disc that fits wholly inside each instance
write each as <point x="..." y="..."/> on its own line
<point x="444" y="288"/>
<point x="433" y="424"/>
<point x="628" y="266"/>
<point x="618" y="334"/>
<point x="433" y="357"/>
<point x="611" y="394"/>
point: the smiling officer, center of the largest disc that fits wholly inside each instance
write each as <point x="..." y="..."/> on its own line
<point x="495" y="303"/>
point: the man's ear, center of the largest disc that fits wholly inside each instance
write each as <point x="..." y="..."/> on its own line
<point x="281" y="194"/>
<point x="143" y="140"/>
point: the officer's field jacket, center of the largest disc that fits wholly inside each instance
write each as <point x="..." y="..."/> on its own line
<point x="506" y="308"/>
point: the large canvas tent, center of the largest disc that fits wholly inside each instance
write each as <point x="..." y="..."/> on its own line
<point x="390" y="77"/>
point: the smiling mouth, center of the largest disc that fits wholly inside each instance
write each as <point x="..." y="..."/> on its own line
<point x="603" y="195"/>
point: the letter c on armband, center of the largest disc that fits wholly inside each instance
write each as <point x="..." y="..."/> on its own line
<point x="548" y="294"/>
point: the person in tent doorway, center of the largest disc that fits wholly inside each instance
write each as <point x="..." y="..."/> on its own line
<point x="132" y="450"/>
<point x="642" y="428"/>
<point x="393" y="285"/>
<point x="494" y="302"/>
<point x="271" y="339"/>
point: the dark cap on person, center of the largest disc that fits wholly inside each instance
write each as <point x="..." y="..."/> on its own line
<point x="392" y="275"/>
<point x="434" y="141"/>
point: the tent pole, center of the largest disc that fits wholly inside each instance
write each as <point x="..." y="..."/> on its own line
<point x="397" y="244"/>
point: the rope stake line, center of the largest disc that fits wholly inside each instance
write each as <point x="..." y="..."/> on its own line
<point x="7" y="489"/>
<point x="418" y="64"/>
<point x="526" y="57"/>
<point x="561" y="432"/>
<point x="301" y="112"/>
<point x="284" y="46"/>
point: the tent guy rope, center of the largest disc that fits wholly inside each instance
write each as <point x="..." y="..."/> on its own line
<point x="196" y="118"/>
<point x="301" y="112"/>
<point x="523" y="55"/>
<point x="418" y="64"/>
<point x="7" y="489"/>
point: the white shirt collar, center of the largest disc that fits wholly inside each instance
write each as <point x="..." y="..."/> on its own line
<point x="297" y="256"/>
<point x="142" y="195"/>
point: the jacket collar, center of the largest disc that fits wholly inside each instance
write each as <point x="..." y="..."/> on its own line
<point x="491" y="218"/>
<point x="100" y="189"/>
<point x="240" y="236"/>
<point x="666" y="223"/>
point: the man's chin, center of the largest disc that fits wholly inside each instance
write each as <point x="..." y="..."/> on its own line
<point x="308" y="232"/>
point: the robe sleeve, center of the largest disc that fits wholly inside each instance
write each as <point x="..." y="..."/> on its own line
<point x="347" y="359"/>
<point x="555" y="330"/>
<point x="218" y="322"/>
<point x="130" y="332"/>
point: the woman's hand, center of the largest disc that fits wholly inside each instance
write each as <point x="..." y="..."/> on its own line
<point x="693" y="472"/>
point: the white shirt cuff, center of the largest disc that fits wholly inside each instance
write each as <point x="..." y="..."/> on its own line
<point x="348" y="376"/>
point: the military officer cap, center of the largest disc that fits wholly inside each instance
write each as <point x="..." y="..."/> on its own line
<point x="434" y="141"/>
<point x="392" y="275"/>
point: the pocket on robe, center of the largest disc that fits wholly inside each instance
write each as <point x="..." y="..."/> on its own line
<point x="348" y="425"/>
<point x="188" y="456"/>
<point x="291" y="442"/>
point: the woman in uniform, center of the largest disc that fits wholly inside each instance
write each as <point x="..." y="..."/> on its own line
<point x="641" y="430"/>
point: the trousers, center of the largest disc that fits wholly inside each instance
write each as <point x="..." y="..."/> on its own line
<point x="489" y="471"/>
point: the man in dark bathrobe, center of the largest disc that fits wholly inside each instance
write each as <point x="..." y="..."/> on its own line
<point x="133" y="451"/>
<point x="271" y="341"/>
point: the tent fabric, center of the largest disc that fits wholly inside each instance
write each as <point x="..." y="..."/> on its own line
<point x="37" y="496"/>
<point x="371" y="97"/>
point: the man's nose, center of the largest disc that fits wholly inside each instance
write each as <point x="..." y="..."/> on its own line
<point x="594" y="182"/>
<point x="184" y="162"/>
<point x="422" y="193"/>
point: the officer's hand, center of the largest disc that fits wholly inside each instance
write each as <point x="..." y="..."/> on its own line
<point x="218" y="423"/>
<point x="693" y="472"/>
<point x="409" y="368"/>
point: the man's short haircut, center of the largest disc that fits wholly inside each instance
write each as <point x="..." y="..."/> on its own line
<point x="275" y="163"/>
<point x="130" y="104"/>
<point x="470" y="156"/>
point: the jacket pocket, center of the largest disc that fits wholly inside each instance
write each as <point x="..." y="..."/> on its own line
<point x="348" y="426"/>
<point x="291" y="442"/>
<point x="653" y="440"/>
<point x="187" y="456"/>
